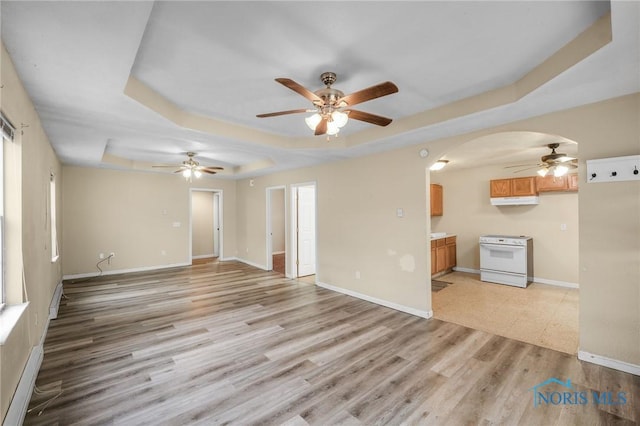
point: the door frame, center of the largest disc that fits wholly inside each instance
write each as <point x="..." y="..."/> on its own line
<point x="293" y="256"/>
<point x="269" y="237"/>
<point x="220" y="194"/>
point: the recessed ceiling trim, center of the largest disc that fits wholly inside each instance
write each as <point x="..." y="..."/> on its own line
<point x="585" y="44"/>
<point x="151" y="99"/>
<point x="599" y="34"/>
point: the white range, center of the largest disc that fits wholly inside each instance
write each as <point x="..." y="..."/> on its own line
<point x="506" y="259"/>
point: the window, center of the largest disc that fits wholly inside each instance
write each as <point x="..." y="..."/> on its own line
<point x="7" y="135"/>
<point x="52" y="214"/>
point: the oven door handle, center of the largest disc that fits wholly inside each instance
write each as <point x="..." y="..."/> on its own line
<point x="503" y="247"/>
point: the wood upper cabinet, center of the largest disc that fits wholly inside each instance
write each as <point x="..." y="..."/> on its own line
<point x="551" y="183"/>
<point x="561" y="183"/>
<point x="524" y="186"/>
<point x="500" y="188"/>
<point x="514" y="187"/>
<point x="437" y="207"/>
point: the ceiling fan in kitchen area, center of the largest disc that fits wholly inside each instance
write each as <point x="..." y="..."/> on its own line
<point x="556" y="163"/>
<point x="191" y="168"/>
<point x="332" y="108"/>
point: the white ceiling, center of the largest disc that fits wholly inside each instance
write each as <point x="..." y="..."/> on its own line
<point x="219" y="60"/>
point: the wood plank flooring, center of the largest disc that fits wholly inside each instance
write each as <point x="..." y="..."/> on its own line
<point x="226" y="343"/>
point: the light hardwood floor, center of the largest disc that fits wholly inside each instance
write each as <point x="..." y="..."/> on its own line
<point x="225" y="343"/>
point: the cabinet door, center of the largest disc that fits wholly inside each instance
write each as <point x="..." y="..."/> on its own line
<point x="500" y="188"/>
<point x="572" y="182"/>
<point x="523" y="186"/>
<point x="433" y="260"/>
<point x="441" y="258"/>
<point x="451" y="256"/>
<point x="436" y="200"/>
<point x="551" y="183"/>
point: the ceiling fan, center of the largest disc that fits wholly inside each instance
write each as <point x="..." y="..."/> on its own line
<point x="332" y="108"/>
<point x="191" y="167"/>
<point x="555" y="162"/>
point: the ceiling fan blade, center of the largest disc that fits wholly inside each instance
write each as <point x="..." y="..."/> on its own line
<point x="287" y="82"/>
<point x="528" y="168"/>
<point x="368" y="117"/>
<point x="519" y="165"/>
<point x="369" y="93"/>
<point x="211" y="169"/>
<point x="211" y="172"/>
<point x="321" y="128"/>
<point x="291" y="111"/>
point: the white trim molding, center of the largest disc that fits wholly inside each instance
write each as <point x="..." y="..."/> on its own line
<point x="609" y="362"/>
<point x="535" y="279"/>
<point x="55" y="301"/>
<point x="125" y="271"/>
<point x="386" y="303"/>
<point x="203" y="256"/>
<point x="248" y="262"/>
<point x="555" y="283"/>
<point x="20" y="402"/>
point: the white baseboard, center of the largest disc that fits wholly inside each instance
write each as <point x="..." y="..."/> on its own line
<point x="125" y="271"/>
<point x="609" y="362"/>
<point x="248" y="262"/>
<point x="555" y="283"/>
<point x="203" y="256"/>
<point x="468" y="270"/>
<point x="55" y="301"/>
<point x="20" y="402"/>
<point x="22" y="396"/>
<point x="392" y="305"/>
<point x="535" y="279"/>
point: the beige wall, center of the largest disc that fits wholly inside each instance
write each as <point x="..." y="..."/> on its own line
<point x="133" y="215"/>
<point x="277" y="220"/>
<point x="358" y="230"/>
<point x="609" y="221"/>
<point x="29" y="163"/>
<point x="357" y="226"/>
<point x="469" y="214"/>
<point x="202" y="223"/>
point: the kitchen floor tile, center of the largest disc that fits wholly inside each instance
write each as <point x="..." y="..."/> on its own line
<point x="540" y="314"/>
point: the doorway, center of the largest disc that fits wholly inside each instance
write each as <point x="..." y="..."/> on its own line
<point x="276" y="229"/>
<point x="205" y="236"/>
<point x="303" y="229"/>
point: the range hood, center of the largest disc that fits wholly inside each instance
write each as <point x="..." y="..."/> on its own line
<point x="515" y="201"/>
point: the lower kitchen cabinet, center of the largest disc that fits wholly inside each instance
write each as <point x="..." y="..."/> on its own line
<point x="443" y="255"/>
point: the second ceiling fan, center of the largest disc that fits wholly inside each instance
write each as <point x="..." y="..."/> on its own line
<point x="332" y="108"/>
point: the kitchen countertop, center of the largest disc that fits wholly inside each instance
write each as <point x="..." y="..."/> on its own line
<point x="444" y="236"/>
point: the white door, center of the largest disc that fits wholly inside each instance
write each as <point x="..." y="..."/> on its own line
<point x="306" y="221"/>
<point x="216" y="224"/>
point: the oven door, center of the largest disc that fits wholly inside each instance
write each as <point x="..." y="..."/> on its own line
<point x="503" y="258"/>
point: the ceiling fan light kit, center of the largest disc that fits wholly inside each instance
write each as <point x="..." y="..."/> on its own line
<point x="191" y="168"/>
<point x="438" y="165"/>
<point x="331" y="108"/>
<point x="557" y="163"/>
